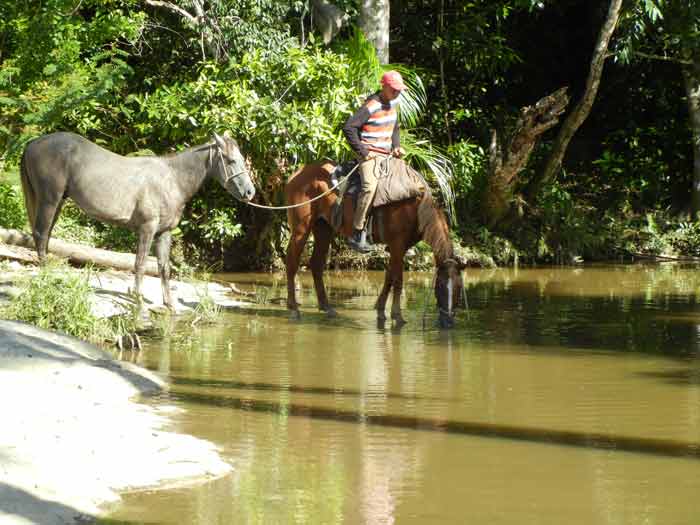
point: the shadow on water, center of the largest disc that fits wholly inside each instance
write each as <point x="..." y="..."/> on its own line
<point x="270" y="387"/>
<point x="522" y="312"/>
<point x="309" y="317"/>
<point x="658" y="447"/>
<point x="676" y="377"/>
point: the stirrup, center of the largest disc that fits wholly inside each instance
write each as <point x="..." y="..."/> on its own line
<point x="360" y="245"/>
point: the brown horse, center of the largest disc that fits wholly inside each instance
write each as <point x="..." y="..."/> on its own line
<point x="401" y="225"/>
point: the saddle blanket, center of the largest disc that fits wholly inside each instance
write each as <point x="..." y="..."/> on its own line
<point x="396" y="181"/>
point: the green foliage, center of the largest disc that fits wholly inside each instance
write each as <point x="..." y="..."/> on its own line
<point x="136" y="77"/>
<point x="12" y="212"/>
<point x="496" y="248"/>
<point x="684" y="239"/>
<point x="65" y="70"/>
<point x="657" y="233"/>
<point x="470" y="169"/>
<point x="569" y="227"/>
<point x="57" y="298"/>
<point x="660" y="29"/>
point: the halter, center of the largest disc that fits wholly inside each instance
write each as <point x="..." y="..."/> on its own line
<point x="227" y="177"/>
<point x="453" y="313"/>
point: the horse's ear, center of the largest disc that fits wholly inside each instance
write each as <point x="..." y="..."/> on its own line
<point x="227" y="134"/>
<point x="219" y="141"/>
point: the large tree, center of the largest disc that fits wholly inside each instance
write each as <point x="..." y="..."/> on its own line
<point x="374" y="22"/>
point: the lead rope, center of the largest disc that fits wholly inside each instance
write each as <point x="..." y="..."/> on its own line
<point x="228" y="177"/>
<point x="290" y="206"/>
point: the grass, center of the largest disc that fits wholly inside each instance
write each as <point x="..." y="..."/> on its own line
<point x="57" y="298"/>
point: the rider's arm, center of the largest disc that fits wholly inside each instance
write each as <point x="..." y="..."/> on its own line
<point x="352" y="128"/>
<point x="396" y="137"/>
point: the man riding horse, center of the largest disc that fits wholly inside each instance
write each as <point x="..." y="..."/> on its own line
<point x="373" y="133"/>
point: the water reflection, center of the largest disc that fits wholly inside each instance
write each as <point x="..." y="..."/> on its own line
<point x="565" y="396"/>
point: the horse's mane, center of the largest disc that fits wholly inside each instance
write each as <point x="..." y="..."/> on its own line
<point x="433" y="227"/>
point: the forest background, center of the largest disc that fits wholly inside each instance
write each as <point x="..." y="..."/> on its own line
<point x="609" y="169"/>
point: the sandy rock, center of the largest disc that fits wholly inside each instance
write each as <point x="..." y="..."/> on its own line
<point x="72" y="434"/>
<point x="113" y="288"/>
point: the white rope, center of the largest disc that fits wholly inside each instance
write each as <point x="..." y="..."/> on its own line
<point x="290" y="206"/>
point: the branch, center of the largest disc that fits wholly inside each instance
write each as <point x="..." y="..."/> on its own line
<point x="175" y="9"/>
<point x="583" y="106"/>
<point x="663" y="58"/>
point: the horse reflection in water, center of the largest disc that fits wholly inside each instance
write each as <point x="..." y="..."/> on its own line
<point x="403" y="223"/>
<point x="147" y="195"/>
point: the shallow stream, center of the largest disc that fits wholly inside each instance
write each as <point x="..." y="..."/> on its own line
<point x="563" y="396"/>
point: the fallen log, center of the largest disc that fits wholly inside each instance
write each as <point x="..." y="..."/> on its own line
<point x="80" y="254"/>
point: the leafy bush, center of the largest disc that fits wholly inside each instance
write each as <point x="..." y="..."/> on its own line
<point x="469" y="177"/>
<point x="569" y="226"/>
<point x="12" y="212"/>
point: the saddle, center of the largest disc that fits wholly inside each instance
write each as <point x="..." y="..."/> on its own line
<point x="399" y="182"/>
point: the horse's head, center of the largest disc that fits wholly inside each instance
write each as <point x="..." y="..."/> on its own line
<point x="449" y="289"/>
<point x="230" y="168"/>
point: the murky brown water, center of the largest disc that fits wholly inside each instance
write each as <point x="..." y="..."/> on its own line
<point x="565" y="396"/>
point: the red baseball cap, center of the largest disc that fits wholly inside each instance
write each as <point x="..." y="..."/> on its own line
<point x="393" y="79"/>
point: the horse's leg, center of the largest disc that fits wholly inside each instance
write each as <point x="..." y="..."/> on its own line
<point x="56" y="215"/>
<point x="322" y="240"/>
<point x="380" y="305"/>
<point x="396" y="266"/>
<point x="46" y="215"/>
<point x="297" y="240"/>
<point x="146" y="234"/>
<point x="163" y="242"/>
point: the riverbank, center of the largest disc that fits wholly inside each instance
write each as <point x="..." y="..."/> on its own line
<point x="77" y="425"/>
<point x="74" y="434"/>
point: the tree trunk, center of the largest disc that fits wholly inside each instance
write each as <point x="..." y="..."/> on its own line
<point x="80" y="254"/>
<point x="374" y="23"/>
<point x="582" y="108"/>
<point x="691" y="76"/>
<point x="329" y="19"/>
<point x="506" y="163"/>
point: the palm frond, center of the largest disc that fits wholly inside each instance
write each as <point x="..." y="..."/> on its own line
<point x="368" y="72"/>
<point x="413" y="100"/>
<point x="435" y="164"/>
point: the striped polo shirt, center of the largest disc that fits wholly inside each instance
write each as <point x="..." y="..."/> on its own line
<point x="373" y="127"/>
<point x="376" y="133"/>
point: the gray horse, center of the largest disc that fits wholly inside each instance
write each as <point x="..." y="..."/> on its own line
<point x="144" y="194"/>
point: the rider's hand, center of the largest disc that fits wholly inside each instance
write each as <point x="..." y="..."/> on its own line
<point x="397" y="152"/>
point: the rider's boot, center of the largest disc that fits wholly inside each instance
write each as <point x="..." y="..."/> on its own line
<point x="358" y="241"/>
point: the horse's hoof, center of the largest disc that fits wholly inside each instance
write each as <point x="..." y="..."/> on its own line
<point x="330" y="312"/>
<point x="398" y="320"/>
<point x="446" y="323"/>
<point x="294" y="315"/>
<point x="381" y="317"/>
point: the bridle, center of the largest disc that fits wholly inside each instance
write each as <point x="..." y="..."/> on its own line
<point x="227" y="177"/>
<point x="450" y="311"/>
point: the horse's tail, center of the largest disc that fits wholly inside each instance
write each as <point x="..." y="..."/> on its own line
<point x="28" y="190"/>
